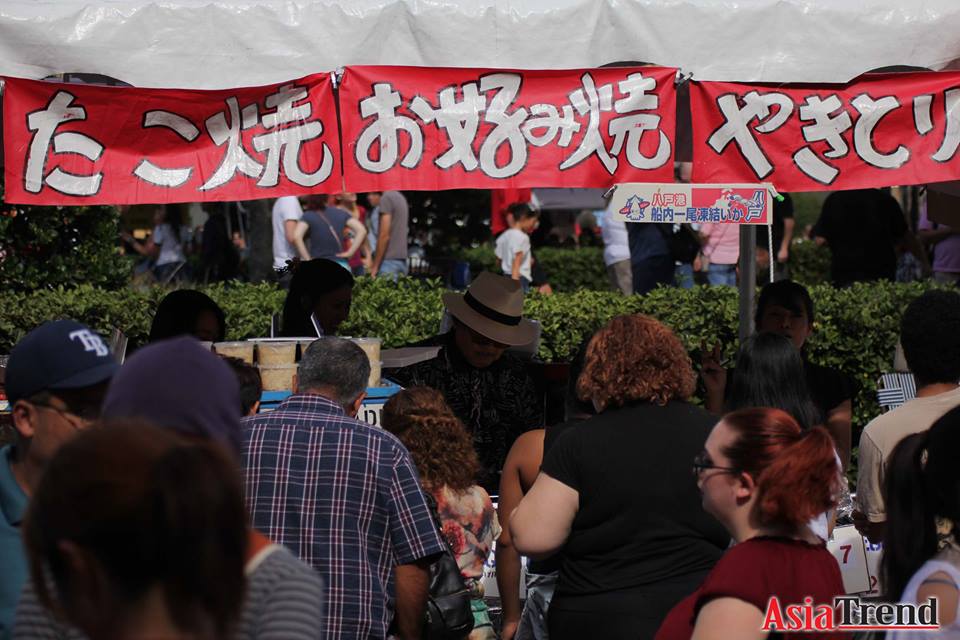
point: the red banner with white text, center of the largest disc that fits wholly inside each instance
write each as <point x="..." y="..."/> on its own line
<point x="880" y="130"/>
<point x="419" y="128"/>
<point x="81" y="144"/>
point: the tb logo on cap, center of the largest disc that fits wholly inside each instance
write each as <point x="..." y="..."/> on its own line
<point x="91" y="342"/>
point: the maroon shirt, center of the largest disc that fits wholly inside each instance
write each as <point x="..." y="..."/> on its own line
<point x="755" y="570"/>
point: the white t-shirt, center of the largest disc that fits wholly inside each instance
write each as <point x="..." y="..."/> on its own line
<point x="171" y="249"/>
<point x="930" y="567"/>
<point x="616" y="245"/>
<point x="510" y="243"/>
<point x="285" y="208"/>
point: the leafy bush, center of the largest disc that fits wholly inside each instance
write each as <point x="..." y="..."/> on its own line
<point x="41" y="248"/>
<point x="129" y="309"/>
<point x="567" y="269"/>
<point x="248" y="307"/>
<point x="480" y="258"/>
<point x="809" y="263"/>
<point x="855" y="329"/>
<point x="574" y="269"/>
<point x="583" y="268"/>
<point x="398" y="312"/>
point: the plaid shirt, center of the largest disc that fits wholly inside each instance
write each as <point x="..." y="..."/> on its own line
<point x="344" y="497"/>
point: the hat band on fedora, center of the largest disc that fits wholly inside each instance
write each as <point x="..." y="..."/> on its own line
<point x="490" y="314"/>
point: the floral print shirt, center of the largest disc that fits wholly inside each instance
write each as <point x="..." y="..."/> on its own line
<point x="470" y="526"/>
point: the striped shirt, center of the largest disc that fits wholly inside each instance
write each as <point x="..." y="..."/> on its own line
<point x="345" y="498"/>
<point x="283" y="602"/>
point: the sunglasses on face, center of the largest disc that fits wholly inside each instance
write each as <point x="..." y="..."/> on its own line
<point x="702" y="462"/>
<point x="483" y="341"/>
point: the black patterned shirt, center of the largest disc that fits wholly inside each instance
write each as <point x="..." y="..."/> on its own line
<point x="496" y="404"/>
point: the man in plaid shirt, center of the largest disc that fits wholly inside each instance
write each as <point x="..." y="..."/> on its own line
<point x="343" y="496"/>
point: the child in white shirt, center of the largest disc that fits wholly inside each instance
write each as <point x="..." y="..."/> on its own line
<point x="513" y="246"/>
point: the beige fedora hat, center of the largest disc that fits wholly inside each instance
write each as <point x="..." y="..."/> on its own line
<point x="493" y="307"/>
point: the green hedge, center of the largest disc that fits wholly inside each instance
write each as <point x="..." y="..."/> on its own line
<point x="809" y="263"/>
<point x="583" y="268"/>
<point x="46" y="247"/>
<point x="855" y="330"/>
<point x="567" y="269"/>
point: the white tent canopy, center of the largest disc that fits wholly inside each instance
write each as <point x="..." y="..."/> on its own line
<point x="231" y="43"/>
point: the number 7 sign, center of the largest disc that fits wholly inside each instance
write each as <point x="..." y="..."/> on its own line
<point x="848" y="548"/>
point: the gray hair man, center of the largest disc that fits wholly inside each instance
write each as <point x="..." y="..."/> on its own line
<point x="344" y="496"/>
<point x="336" y="369"/>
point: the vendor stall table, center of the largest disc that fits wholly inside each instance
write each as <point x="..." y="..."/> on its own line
<point x="370" y="410"/>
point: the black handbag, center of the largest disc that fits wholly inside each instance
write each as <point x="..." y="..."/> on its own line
<point x="449" y="615"/>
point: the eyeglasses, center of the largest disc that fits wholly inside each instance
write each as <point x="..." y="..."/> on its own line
<point x="77" y="420"/>
<point x="702" y="462"/>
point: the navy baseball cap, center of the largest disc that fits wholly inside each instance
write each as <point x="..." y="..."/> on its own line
<point x="58" y="355"/>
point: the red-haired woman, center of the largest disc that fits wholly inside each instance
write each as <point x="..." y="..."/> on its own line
<point x="614" y="496"/>
<point x="764" y="478"/>
<point x="443" y="452"/>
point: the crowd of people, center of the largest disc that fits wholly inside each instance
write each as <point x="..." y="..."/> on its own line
<point x="336" y="228"/>
<point x="153" y="499"/>
<point x="340" y="230"/>
<point x="166" y="253"/>
<point x="866" y="230"/>
<point x="640" y="257"/>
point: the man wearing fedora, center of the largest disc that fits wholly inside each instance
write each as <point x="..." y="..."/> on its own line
<point x="489" y="389"/>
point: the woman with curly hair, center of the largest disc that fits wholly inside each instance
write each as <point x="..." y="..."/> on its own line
<point x="445" y="457"/>
<point x="615" y="498"/>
